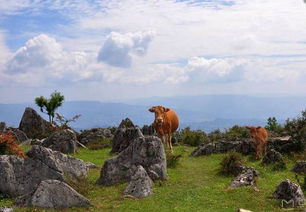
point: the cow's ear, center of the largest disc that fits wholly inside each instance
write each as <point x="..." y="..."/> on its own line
<point x="152" y="109"/>
<point x="258" y="127"/>
<point x="166" y="110"/>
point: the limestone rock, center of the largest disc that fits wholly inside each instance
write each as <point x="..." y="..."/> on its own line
<point x="19" y="176"/>
<point x="246" y="178"/>
<point x="300" y="167"/>
<point x="94" y="134"/>
<point x="145" y="151"/>
<point x="63" y="140"/>
<point x="124" y="135"/>
<point x="272" y="156"/>
<point x="288" y="190"/>
<point x="33" y="125"/>
<point x="53" y="194"/>
<point x="141" y="184"/>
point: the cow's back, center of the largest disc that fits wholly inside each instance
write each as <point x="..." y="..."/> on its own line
<point x="173" y="118"/>
<point x="262" y="132"/>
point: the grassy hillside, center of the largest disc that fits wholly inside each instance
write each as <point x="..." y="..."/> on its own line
<point x="194" y="185"/>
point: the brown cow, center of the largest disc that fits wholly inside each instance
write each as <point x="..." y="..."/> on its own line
<point x="260" y="136"/>
<point x="165" y="123"/>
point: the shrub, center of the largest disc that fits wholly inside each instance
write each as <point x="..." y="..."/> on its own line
<point x="8" y="142"/>
<point x="193" y="137"/>
<point x="231" y="164"/>
<point x="215" y="136"/>
<point x="236" y="133"/>
<point x="172" y="160"/>
<point x="273" y="125"/>
<point x="100" y="143"/>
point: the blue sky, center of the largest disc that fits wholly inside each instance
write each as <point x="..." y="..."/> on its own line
<point x="111" y="50"/>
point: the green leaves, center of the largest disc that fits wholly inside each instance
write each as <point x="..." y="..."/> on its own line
<point x="49" y="106"/>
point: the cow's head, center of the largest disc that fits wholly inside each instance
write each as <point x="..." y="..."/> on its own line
<point x="159" y="112"/>
<point x="253" y="130"/>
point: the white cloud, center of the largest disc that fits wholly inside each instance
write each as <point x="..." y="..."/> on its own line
<point x="119" y="49"/>
<point x="43" y="59"/>
<point x="216" y="70"/>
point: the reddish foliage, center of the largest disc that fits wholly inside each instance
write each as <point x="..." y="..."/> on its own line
<point x="9" y="141"/>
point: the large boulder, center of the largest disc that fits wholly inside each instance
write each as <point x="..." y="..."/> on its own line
<point x="124" y="135"/>
<point x="34" y="125"/>
<point x="300" y="167"/>
<point x="246" y="178"/>
<point x="19" y="176"/>
<point x="53" y="194"/>
<point x="6" y="209"/>
<point x="145" y="151"/>
<point x="206" y="149"/>
<point x="94" y="134"/>
<point x="64" y="141"/>
<point x="290" y="191"/>
<point x="273" y="156"/>
<point x="140" y="185"/>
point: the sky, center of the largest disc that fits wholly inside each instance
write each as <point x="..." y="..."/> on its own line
<point x="111" y="50"/>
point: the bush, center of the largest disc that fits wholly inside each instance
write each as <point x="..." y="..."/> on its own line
<point x="273" y="125"/>
<point x="215" y="136"/>
<point x="172" y="160"/>
<point x="296" y="127"/>
<point x="231" y="164"/>
<point x="193" y="137"/>
<point x="279" y="166"/>
<point x="236" y="133"/>
<point x="100" y="144"/>
<point x="8" y="143"/>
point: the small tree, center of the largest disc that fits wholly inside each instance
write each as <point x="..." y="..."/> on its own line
<point x="273" y="125"/>
<point x="49" y="106"/>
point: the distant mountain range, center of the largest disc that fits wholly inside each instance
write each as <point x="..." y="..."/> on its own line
<point x="207" y="112"/>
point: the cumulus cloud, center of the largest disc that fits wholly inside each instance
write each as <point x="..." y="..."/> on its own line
<point x="119" y="49"/>
<point x="216" y="69"/>
<point x="42" y="57"/>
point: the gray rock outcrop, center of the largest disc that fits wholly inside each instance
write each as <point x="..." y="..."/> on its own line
<point x="288" y="190"/>
<point x="53" y="194"/>
<point x="19" y="176"/>
<point x="300" y="167"/>
<point x="124" y="135"/>
<point x="140" y="185"/>
<point x="246" y="178"/>
<point x="145" y="151"/>
<point x="148" y="130"/>
<point x="244" y="147"/>
<point x="273" y="156"/>
<point x="94" y="134"/>
<point x="33" y="125"/>
<point x="64" y="141"/>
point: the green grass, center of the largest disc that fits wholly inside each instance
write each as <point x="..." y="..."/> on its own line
<point x="194" y="185"/>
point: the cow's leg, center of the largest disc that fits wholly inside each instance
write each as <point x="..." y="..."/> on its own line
<point x="258" y="148"/>
<point x="170" y="141"/>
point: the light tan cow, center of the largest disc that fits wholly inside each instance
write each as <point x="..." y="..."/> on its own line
<point x="260" y="136"/>
<point x="165" y="123"/>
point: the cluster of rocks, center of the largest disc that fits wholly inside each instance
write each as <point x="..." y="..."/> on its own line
<point x="125" y="135"/>
<point x="41" y="177"/>
<point x="94" y="134"/>
<point x="273" y="156"/>
<point x="244" y="147"/>
<point x="141" y="162"/>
